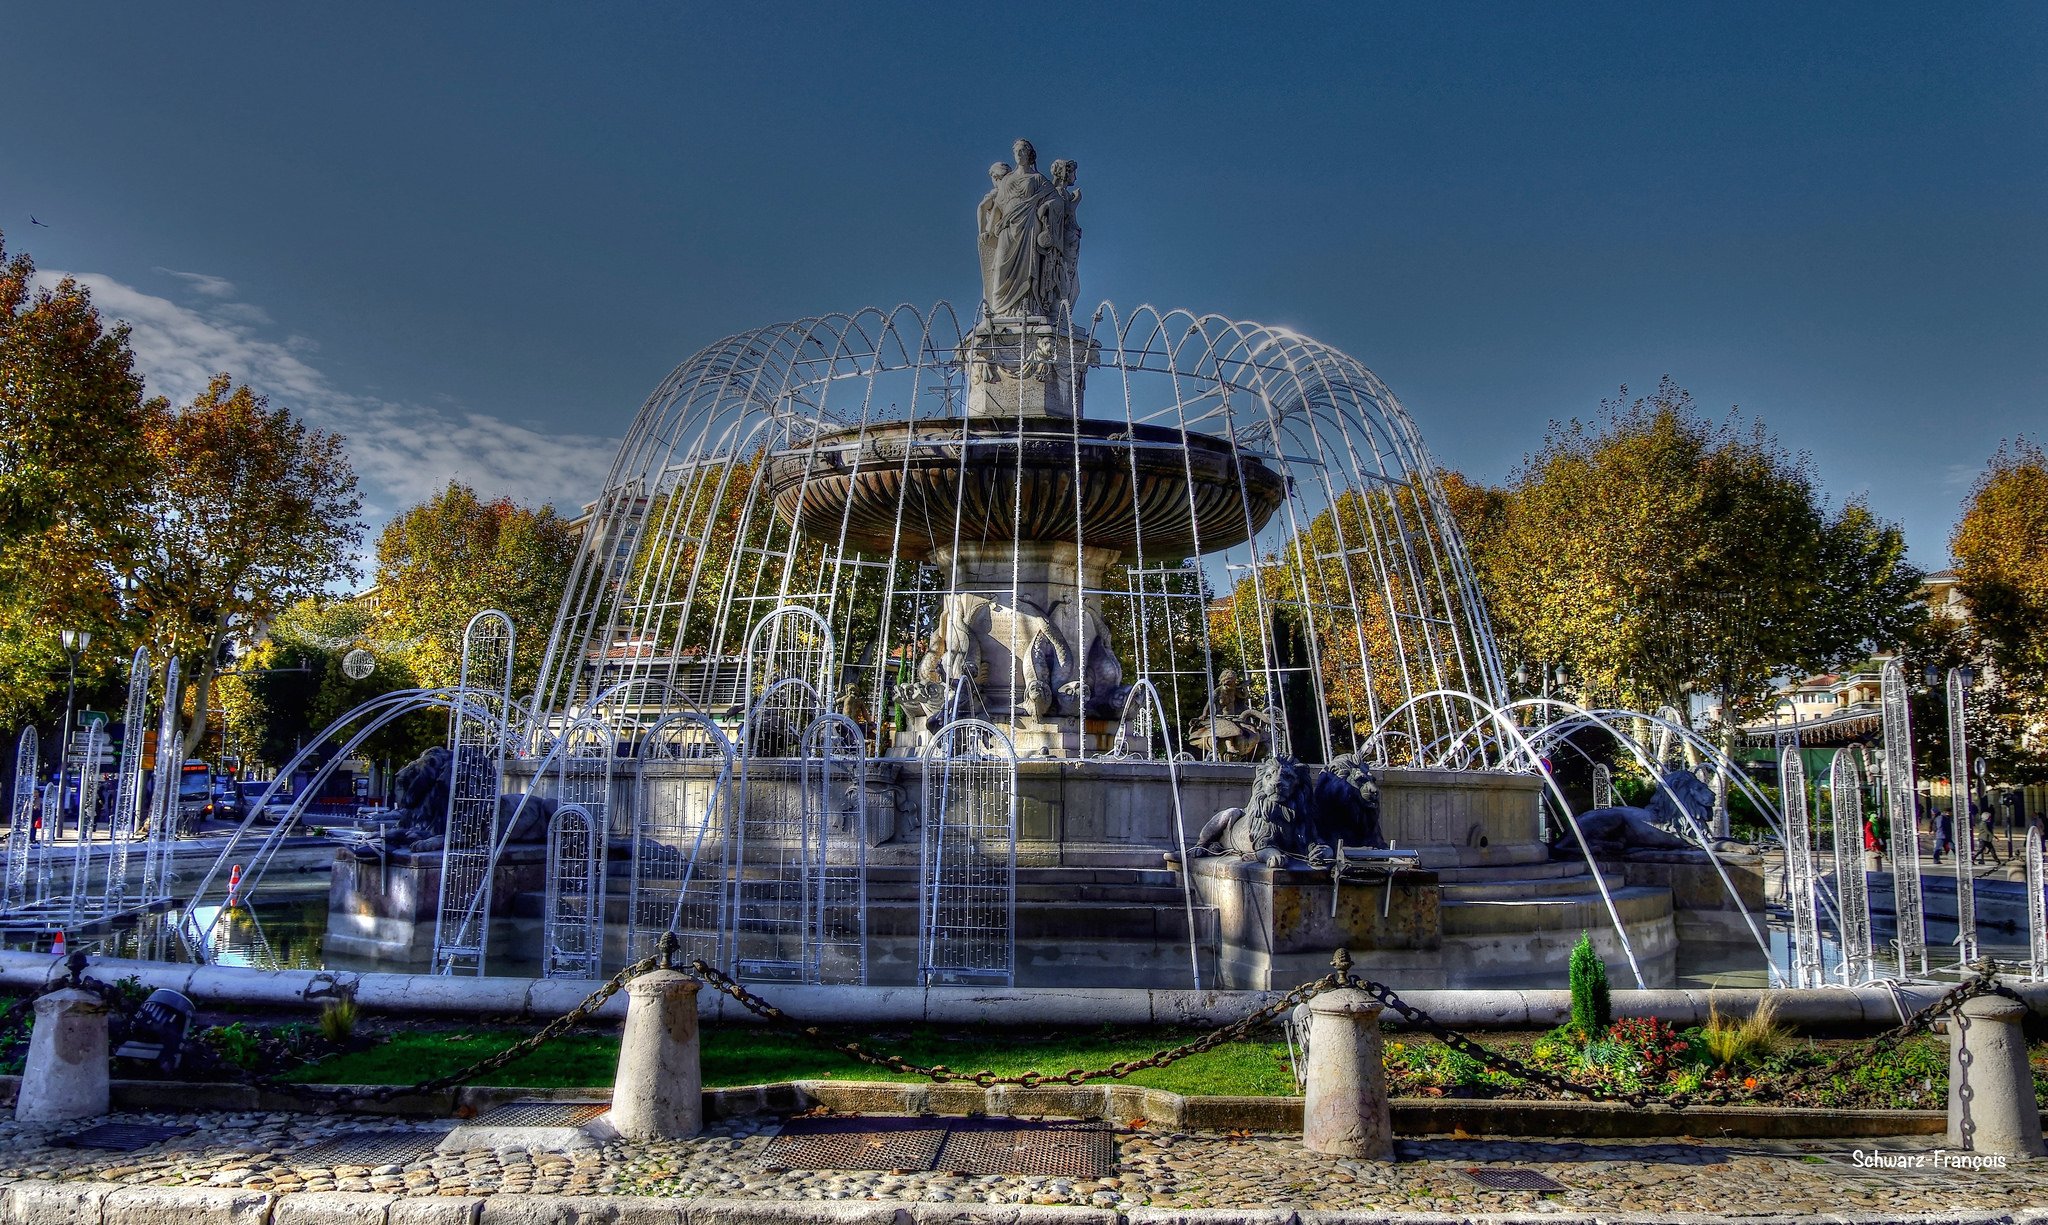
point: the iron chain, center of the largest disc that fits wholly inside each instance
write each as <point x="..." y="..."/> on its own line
<point x="662" y="958"/>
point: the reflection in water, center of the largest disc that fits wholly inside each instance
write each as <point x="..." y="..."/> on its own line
<point x="1741" y="965"/>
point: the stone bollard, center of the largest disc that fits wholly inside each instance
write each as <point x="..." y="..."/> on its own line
<point x="1346" y="1113"/>
<point x="659" y="1092"/>
<point x="1990" y="1087"/>
<point x="66" y="1073"/>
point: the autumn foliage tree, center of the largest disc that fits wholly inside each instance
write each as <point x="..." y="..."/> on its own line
<point x="2000" y="546"/>
<point x="72" y="474"/>
<point x="1657" y="554"/>
<point x="444" y="560"/>
<point x="249" y="511"/>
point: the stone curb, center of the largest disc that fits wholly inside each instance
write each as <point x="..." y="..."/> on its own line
<point x="394" y="994"/>
<point x="31" y="1202"/>
<point x="1413" y="1116"/>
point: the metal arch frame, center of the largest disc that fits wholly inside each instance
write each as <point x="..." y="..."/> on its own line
<point x="1525" y="751"/>
<point x="1269" y="393"/>
<point x="1900" y="795"/>
<point x="1959" y="792"/>
<point x="163" y="817"/>
<point x="88" y="816"/>
<point x="476" y="755"/>
<point x="746" y="816"/>
<point x="122" y="822"/>
<point x="819" y="756"/>
<point x="1145" y="695"/>
<point x="942" y="751"/>
<point x="22" y="818"/>
<point x="577" y="912"/>
<point x="1799" y="875"/>
<point x="772" y="625"/>
<point x="643" y="936"/>
<point x="2037" y="905"/>
<point x="1846" y="773"/>
<point x="381" y="711"/>
<point x="1559" y="730"/>
<point x="585" y="757"/>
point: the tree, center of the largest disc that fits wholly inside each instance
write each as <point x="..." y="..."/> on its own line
<point x="2000" y="547"/>
<point x="1656" y="554"/>
<point x="446" y="559"/>
<point x="292" y="684"/>
<point x="72" y="473"/>
<point x="249" y="510"/>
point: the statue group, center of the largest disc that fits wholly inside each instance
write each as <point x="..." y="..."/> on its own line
<point x="1030" y="241"/>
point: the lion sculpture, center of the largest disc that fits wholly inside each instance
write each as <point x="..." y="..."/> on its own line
<point x="1299" y="812"/>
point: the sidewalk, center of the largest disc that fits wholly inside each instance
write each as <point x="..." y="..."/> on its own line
<point x="256" y="1168"/>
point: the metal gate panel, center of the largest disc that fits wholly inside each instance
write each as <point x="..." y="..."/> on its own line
<point x="572" y="940"/>
<point x="163" y="807"/>
<point x="80" y="903"/>
<point x="1799" y="883"/>
<point x="1852" y="896"/>
<point x="1905" y="841"/>
<point x="126" y="817"/>
<point x="834" y="778"/>
<point x="583" y="780"/>
<point x="21" y="819"/>
<point x="968" y="857"/>
<point x="774" y="908"/>
<point x="683" y="830"/>
<point x="477" y="730"/>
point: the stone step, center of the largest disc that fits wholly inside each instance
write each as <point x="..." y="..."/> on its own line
<point x="1520" y="871"/>
<point x="1514" y="888"/>
<point x="1637" y="903"/>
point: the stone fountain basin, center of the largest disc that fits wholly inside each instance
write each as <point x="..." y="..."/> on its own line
<point x="1141" y="487"/>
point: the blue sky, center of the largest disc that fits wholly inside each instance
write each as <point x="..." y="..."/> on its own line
<point x="474" y="237"/>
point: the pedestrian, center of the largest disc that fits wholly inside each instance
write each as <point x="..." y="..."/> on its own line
<point x="1985" y="846"/>
<point x="1944" y="833"/>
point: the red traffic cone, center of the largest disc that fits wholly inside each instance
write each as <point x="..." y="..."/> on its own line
<point x="234" y="887"/>
<point x="57" y="945"/>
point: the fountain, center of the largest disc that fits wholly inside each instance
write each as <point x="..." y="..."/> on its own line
<point x="1129" y="554"/>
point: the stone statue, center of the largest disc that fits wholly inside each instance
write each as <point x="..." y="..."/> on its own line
<point x="1299" y="812"/>
<point x="1010" y="227"/>
<point x="988" y="224"/>
<point x="419" y="802"/>
<point x="1228" y="726"/>
<point x="1059" y="242"/>
<point x="952" y="669"/>
<point x="1657" y="826"/>
<point x="1091" y="677"/>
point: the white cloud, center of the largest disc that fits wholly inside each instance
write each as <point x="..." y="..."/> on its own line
<point x="404" y="452"/>
<point x="211" y="286"/>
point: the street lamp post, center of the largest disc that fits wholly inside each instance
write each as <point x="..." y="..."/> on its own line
<point x="74" y="643"/>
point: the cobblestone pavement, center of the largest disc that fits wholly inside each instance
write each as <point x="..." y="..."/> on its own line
<point x="1180" y="1170"/>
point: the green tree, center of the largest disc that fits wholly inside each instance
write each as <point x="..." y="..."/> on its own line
<point x="291" y="685"/>
<point x="444" y="560"/>
<point x="249" y="510"/>
<point x="1657" y="554"/>
<point x="72" y="473"/>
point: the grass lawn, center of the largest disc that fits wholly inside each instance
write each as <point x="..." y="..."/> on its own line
<point x="736" y="1056"/>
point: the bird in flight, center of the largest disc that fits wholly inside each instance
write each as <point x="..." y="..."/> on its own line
<point x="32" y="221"/>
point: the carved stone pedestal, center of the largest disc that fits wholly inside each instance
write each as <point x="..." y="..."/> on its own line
<point x="1027" y="367"/>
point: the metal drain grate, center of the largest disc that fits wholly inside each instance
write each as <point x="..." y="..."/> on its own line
<point x="540" y="1114"/>
<point x="1053" y="1150"/>
<point x="1512" y="1180"/>
<point x="123" y="1137"/>
<point x="855" y="1144"/>
<point x="371" y="1148"/>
